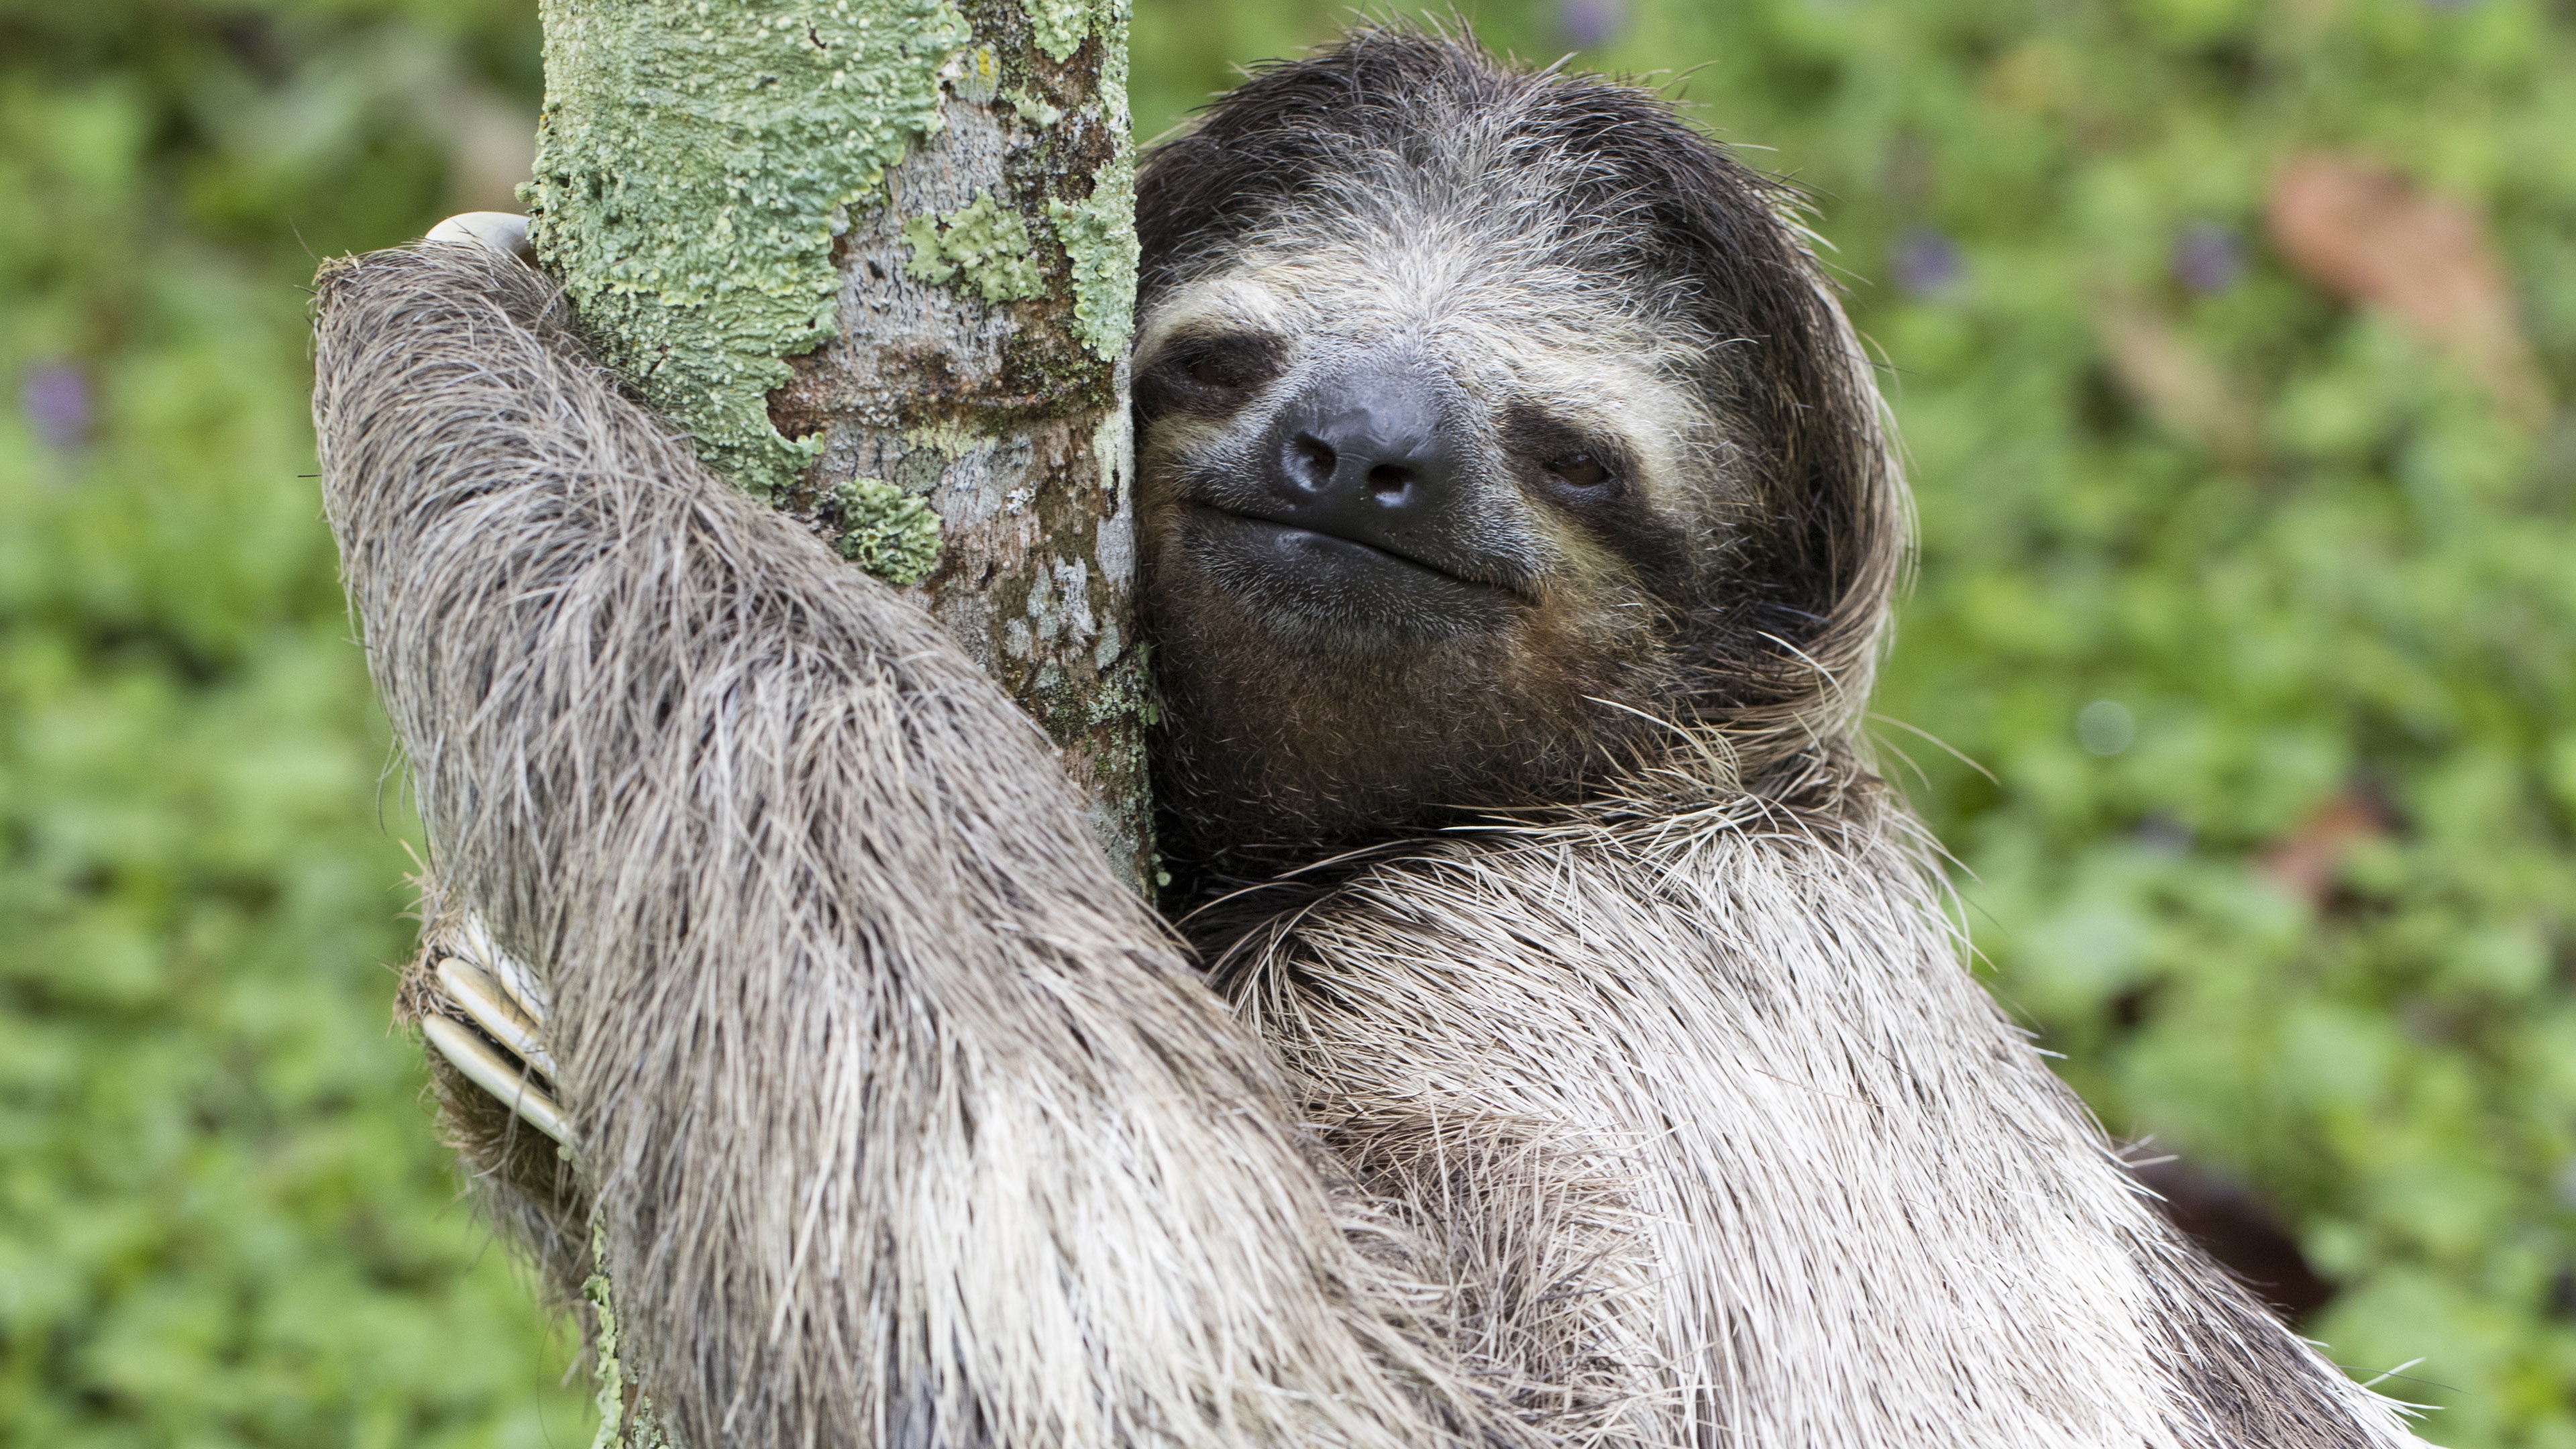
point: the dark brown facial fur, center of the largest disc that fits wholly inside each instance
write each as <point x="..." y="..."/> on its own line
<point x="1482" y="419"/>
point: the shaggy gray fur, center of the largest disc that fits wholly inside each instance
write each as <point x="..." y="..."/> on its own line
<point x="905" y="1122"/>
<point x="1660" y="1111"/>
<point x="1801" y="1185"/>
<point x="1677" y="1065"/>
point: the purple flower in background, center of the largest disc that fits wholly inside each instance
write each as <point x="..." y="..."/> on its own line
<point x="2207" y="257"/>
<point x="1925" y="261"/>
<point x="2164" y="835"/>
<point x="55" y="398"/>
<point x="1591" y="24"/>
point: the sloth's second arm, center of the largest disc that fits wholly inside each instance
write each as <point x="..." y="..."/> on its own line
<point x="903" y="1121"/>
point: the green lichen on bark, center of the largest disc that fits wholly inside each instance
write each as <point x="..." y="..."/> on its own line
<point x="1035" y="109"/>
<point x="1059" y="26"/>
<point x="886" y="531"/>
<point x="714" y="188"/>
<point x="982" y="243"/>
<point x="626" y="1419"/>
<point x="1099" y="233"/>
<point x="1099" y="238"/>
<point x="695" y="160"/>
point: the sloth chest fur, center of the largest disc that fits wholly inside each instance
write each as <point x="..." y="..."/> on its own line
<point x="1733" y="1128"/>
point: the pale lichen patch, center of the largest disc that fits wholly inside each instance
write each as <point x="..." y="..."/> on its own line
<point x="1035" y="109"/>
<point x="1099" y="237"/>
<point x="984" y="244"/>
<point x="946" y="437"/>
<point x="691" y="178"/>
<point x="626" y="1418"/>
<point x="1058" y="25"/>
<point x="886" y="531"/>
<point x="974" y="76"/>
<point x="1099" y="233"/>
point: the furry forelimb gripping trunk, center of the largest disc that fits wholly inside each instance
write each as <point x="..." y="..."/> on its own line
<point x="903" y="1121"/>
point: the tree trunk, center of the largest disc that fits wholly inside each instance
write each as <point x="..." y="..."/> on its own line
<point x="878" y="257"/>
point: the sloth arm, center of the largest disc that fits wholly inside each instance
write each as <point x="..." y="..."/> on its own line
<point x="902" y="1121"/>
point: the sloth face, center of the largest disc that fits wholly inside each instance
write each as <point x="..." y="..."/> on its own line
<point x="1405" y="519"/>
<point x="1482" y="419"/>
<point x="1377" y="451"/>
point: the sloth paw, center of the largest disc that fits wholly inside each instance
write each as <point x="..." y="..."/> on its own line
<point x="505" y="232"/>
<point x="487" y="1017"/>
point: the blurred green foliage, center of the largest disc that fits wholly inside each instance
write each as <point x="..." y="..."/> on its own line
<point x="224" y="1217"/>
<point x="2295" y="897"/>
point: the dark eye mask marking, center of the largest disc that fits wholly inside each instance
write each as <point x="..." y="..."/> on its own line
<point x="1591" y="480"/>
<point x="1208" y="375"/>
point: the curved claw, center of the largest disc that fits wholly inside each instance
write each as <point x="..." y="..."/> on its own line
<point x="522" y="983"/>
<point x="506" y="1004"/>
<point x="503" y="231"/>
<point x="506" y="1081"/>
<point x="487" y="1002"/>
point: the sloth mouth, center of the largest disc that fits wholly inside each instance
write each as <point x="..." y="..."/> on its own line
<point x="1306" y="576"/>
<point x="1296" y="533"/>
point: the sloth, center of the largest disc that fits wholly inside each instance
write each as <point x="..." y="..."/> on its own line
<point x="1560" y="1037"/>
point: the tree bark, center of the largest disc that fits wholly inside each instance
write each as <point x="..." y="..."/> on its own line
<point x="878" y="258"/>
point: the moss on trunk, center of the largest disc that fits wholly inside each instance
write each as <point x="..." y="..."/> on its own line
<point x="870" y="248"/>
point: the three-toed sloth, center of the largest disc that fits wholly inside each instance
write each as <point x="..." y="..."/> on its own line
<point x="1598" y="1066"/>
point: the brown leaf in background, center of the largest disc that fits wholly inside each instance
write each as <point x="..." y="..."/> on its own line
<point x="2306" y="861"/>
<point x="2165" y="374"/>
<point x="2371" y="237"/>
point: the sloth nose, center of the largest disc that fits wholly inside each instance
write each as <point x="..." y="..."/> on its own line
<point x="1360" y="455"/>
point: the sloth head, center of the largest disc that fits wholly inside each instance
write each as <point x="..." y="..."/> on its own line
<point x="1484" y="421"/>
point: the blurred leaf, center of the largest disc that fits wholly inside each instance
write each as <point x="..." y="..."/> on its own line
<point x="2364" y="233"/>
<point x="2306" y="862"/>
<point x="2182" y="389"/>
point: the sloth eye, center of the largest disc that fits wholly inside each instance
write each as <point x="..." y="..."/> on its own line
<point x="1581" y="472"/>
<point x="1219" y="369"/>
<point x="1227" y="364"/>
<point x="1207" y="375"/>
